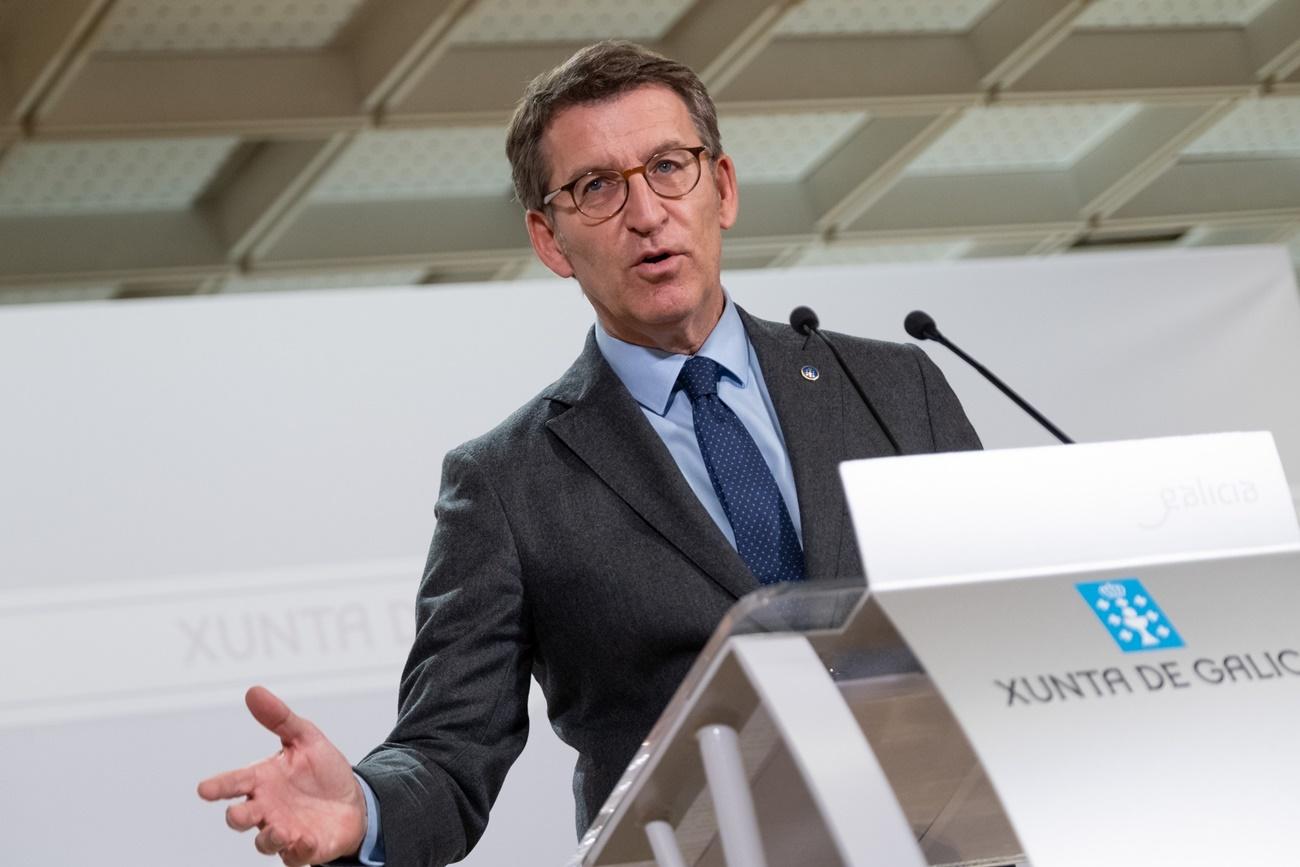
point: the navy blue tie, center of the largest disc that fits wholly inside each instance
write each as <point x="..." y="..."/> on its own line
<point x="765" y="536"/>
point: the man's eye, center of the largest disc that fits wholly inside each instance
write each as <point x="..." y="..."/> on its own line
<point x="666" y="166"/>
<point x="603" y="184"/>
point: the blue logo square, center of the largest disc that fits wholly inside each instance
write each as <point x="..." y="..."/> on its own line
<point x="1130" y="615"/>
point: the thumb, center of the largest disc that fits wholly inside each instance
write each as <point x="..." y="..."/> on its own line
<point x="274" y="714"/>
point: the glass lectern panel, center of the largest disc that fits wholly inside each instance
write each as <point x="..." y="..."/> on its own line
<point x="943" y="790"/>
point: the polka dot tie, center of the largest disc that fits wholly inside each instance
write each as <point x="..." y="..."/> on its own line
<point x="765" y="536"/>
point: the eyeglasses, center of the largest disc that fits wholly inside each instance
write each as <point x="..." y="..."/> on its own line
<point x="602" y="194"/>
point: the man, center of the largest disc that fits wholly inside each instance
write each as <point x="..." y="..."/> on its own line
<point x="594" y="539"/>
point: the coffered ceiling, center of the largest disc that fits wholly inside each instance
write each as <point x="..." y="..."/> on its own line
<point x="154" y="147"/>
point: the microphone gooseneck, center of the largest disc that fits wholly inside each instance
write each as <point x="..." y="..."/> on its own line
<point x="804" y="321"/>
<point x="920" y="325"/>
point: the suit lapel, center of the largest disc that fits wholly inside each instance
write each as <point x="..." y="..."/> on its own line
<point x="606" y="429"/>
<point x="811" y="413"/>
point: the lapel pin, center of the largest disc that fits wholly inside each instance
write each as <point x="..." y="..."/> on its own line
<point x="810" y="373"/>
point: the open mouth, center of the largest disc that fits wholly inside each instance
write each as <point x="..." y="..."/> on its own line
<point x="658" y="257"/>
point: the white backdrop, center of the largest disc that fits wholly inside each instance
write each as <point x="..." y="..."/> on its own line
<point x="199" y="494"/>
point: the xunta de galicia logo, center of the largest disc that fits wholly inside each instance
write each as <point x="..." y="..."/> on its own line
<point x="1130" y="615"/>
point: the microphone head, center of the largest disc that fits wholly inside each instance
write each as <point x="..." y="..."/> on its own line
<point x="920" y="325"/>
<point x="803" y="320"/>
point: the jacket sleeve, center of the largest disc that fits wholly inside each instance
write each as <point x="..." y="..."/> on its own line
<point x="950" y="430"/>
<point x="463" y="703"/>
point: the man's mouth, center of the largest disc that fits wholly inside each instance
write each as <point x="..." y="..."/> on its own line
<point x="658" y="263"/>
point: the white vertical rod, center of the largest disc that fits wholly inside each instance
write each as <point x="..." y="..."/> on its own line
<point x="733" y="803"/>
<point x="848" y="786"/>
<point x="663" y="843"/>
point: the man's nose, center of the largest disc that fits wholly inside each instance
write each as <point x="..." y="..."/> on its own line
<point x="644" y="211"/>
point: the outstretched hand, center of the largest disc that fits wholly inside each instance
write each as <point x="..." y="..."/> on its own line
<point x="308" y="807"/>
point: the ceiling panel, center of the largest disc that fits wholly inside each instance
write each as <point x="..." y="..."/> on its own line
<point x="1205" y="235"/>
<point x="785" y="147"/>
<point x="879" y="254"/>
<point x="567" y="20"/>
<point x="535" y="270"/>
<point x="1254" y="128"/>
<point x="826" y="17"/>
<point x="326" y="280"/>
<point x="223" y="25"/>
<point x="54" y="294"/>
<point x="1170" y="13"/>
<point x="1021" y="138"/>
<point x="419" y="164"/>
<point x="104" y="176"/>
<point x="867" y="122"/>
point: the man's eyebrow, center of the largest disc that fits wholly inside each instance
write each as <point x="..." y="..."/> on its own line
<point x="666" y="145"/>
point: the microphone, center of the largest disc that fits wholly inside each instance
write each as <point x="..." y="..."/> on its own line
<point x="920" y="325"/>
<point x="804" y="321"/>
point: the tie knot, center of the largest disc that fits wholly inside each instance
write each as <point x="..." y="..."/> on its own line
<point x="699" y="377"/>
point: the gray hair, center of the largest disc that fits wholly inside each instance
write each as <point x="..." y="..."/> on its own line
<point x="597" y="73"/>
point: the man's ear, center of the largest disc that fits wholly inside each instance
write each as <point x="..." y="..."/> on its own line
<point x="724" y="173"/>
<point x="545" y="243"/>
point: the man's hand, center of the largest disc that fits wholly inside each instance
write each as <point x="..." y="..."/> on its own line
<point x="308" y="807"/>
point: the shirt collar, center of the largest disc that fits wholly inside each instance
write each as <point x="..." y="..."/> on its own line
<point x="651" y="374"/>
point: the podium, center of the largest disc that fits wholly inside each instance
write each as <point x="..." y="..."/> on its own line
<point x="1131" y="706"/>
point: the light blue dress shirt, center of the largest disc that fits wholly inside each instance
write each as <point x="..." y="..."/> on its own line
<point x="651" y="376"/>
<point x="372" y="848"/>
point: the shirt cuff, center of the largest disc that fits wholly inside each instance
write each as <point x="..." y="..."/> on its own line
<point x="372" y="847"/>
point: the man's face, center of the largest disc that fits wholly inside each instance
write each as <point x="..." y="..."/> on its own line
<point x="672" y="303"/>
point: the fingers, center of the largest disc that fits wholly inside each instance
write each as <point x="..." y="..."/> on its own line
<point x="244" y="815"/>
<point x="269" y="841"/>
<point x="231" y="784"/>
<point x="293" y="852"/>
<point x="300" y="854"/>
<point x="274" y="714"/>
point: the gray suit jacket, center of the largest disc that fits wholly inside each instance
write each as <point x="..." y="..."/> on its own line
<point x="570" y="548"/>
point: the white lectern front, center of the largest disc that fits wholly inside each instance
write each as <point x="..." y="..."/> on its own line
<point x="1075" y="655"/>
